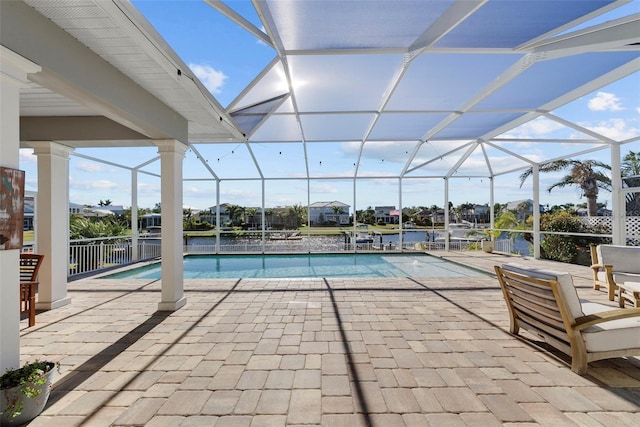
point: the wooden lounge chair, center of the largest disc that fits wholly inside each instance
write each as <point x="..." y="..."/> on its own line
<point x="613" y="265"/>
<point x="29" y="266"/>
<point x="546" y="303"/>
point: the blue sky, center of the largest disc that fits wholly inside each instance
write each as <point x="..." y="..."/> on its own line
<point x="226" y="58"/>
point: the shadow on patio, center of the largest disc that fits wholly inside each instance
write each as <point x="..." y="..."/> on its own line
<point x="370" y="352"/>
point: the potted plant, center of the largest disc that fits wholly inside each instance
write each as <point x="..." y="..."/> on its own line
<point x="487" y="245"/>
<point x="24" y="392"/>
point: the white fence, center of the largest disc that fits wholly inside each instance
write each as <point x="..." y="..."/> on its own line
<point x="94" y="255"/>
<point x="500" y="246"/>
<point x="604" y="224"/>
<point x="91" y="255"/>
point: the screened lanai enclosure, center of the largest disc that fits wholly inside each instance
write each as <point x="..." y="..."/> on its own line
<point x="358" y="104"/>
<point x="399" y="103"/>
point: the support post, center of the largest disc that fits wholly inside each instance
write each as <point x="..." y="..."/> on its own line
<point x="400" y="218"/>
<point x="13" y="76"/>
<point x="446" y="214"/>
<point x="171" y="155"/>
<point x="53" y="222"/>
<point x="619" y="226"/>
<point x="492" y="209"/>
<point x="536" y="211"/>
<point x="135" y="231"/>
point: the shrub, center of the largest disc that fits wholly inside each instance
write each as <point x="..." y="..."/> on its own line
<point x="561" y="247"/>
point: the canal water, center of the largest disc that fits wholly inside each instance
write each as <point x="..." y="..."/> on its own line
<point x="330" y="243"/>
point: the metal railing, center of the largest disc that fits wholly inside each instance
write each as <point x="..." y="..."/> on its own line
<point x="91" y="255"/>
<point x="94" y="255"/>
<point x="503" y="245"/>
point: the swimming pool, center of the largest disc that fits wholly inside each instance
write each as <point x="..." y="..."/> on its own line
<point x="298" y="266"/>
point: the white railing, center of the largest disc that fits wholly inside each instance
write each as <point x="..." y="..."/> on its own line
<point x="500" y="245"/>
<point x="503" y="245"/>
<point x="91" y="255"/>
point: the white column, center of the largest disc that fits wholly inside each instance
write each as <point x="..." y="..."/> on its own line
<point x="134" y="215"/>
<point x="619" y="215"/>
<point x="400" y="218"/>
<point x="446" y="214"/>
<point x="13" y="76"/>
<point x="217" y="216"/>
<point x="53" y="222"/>
<point x="354" y="233"/>
<point x="492" y="202"/>
<point x="536" y="211"/>
<point x="171" y="156"/>
<point x="263" y="241"/>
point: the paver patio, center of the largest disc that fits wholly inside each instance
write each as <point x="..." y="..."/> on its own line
<point x="332" y="352"/>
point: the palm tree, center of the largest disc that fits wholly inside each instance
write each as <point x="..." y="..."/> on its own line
<point x="268" y="215"/>
<point x="582" y="174"/>
<point x="296" y="214"/>
<point x="337" y="211"/>
<point x="251" y="212"/>
<point x="366" y="216"/>
<point x="234" y="211"/>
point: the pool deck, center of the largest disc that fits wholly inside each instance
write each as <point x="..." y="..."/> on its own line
<point x="332" y="352"/>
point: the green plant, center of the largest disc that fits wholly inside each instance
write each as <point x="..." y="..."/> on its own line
<point x="565" y="248"/>
<point x="505" y="220"/>
<point x="29" y="378"/>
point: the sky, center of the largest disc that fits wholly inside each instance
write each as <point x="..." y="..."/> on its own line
<point x="226" y="58"/>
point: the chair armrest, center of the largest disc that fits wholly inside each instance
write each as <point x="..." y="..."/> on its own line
<point x="608" y="267"/>
<point x="29" y="283"/>
<point x="605" y="316"/>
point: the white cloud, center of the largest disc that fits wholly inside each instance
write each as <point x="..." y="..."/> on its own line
<point x="196" y="192"/>
<point x="90" y="167"/>
<point x="323" y="188"/>
<point x="535" y="128"/>
<point x="212" y="79"/>
<point x="26" y="155"/>
<point x="604" y="101"/>
<point x="616" y="129"/>
<point x="98" y="185"/>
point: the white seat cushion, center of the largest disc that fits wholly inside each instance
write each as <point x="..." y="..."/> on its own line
<point x="565" y="283"/>
<point x="615" y="335"/>
<point x="620" y="277"/>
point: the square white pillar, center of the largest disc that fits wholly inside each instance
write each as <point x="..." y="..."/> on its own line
<point x="13" y="76"/>
<point x="171" y="156"/>
<point x="52" y="212"/>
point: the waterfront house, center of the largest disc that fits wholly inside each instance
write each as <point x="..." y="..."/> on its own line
<point x="324" y="213"/>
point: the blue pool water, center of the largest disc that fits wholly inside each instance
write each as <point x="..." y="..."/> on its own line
<point x="297" y="266"/>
